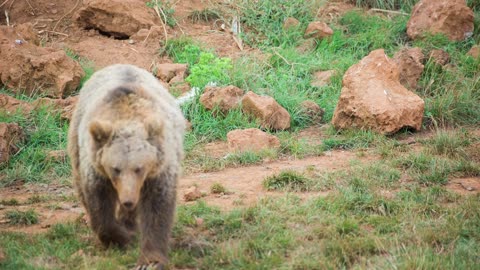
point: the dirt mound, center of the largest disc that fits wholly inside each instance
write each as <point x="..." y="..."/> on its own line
<point x="117" y="18"/>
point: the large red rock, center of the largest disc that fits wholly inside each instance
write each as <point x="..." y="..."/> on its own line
<point x="10" y="105"/>
<point x="318" y="30"/>
<point x="409" y="61"/>
<point x="450" y="17"/>
<point x="225" y="98"/>
<point x="373" y="98"/>
<point x="252" y="139"/>
<point x="117" y="18"/>
<point x="265" y="108"/>
<point x="10" y="135"/>
<point x="34" y="69"/>
<point x="168" y="72"/>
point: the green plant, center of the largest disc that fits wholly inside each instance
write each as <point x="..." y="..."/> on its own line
<point x="209" y="69"/>
<point x="287" y="180"/>
<point x="217" y="188"/>
<point x="16" y="217"/>
<point x="263" y="20"/>
<point x="44" y="130"/>
<point x="165" y="10"/>
<point x="405" y="5"/>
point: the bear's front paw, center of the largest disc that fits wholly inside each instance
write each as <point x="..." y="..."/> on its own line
<point x="150" y="266"/>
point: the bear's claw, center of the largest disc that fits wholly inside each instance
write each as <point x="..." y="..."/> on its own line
<point x="150" y="266"/>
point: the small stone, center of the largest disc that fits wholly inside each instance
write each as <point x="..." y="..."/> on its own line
<point x="192" y="194"/>
<point x="318" y="30"/>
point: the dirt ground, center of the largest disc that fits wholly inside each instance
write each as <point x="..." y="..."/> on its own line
<point x="53" y="21"/>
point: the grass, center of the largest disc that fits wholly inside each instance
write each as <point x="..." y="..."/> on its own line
<point x="16" y="217"/>
<point x="44" y="131"/>
<point x="405" y="5"/>
<point x="355" y="228"/>
<point x="287" y="180"/>
<point x="204" y="15"/>
<point x="217" y="188"/>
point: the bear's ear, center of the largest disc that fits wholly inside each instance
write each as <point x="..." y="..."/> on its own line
<point x="154" y="129"/>
<point x="101" y="132"/>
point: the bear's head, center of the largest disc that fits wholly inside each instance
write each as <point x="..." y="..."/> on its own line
<point x="128" y="156"/>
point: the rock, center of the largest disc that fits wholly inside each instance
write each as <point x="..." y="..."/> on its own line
<point x="36" y="69"/>
<point x="10" y="105"/>
<point x="409" y="62"/>
<point x="306" y="45"/>
<point x="224" y="98"/>
<point x="192" y="194"/>
<point x="265" y="108"/>
<point x="10" y="135"/>
<point x="452" y="18"/>
<point x="290" y="23"/>
<point x="322" y="78"/>
<point x="252" y="139"/>
<point x="474" y="51"/>
<point x="373" y="98"/>
<point x="179" y="87"/>
<point x="23" y="32"/>
<point x="439" y="57"/>
<point x="117" y="18"/>
<point x="65" y="106"/>
<point x="168" y="72"/>
<point x="318" y="30"/>
<point x="155" y="33"/>
<point x="312" y="110"/>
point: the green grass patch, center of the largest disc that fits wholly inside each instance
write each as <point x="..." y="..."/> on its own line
<point x="287" y="180"/>
<point x="16" y="217"/>
<point x="45" y="131"/>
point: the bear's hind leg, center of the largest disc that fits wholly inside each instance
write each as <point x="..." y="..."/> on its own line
<point x="156" y="217"/>
<point x="100" y="203"/>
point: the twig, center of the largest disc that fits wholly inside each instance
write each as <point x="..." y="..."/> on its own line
<point x="6" y="17"/>
<point x="53" y="32"/>
<point x="238" y="41"/>
<point x="4" y="3"/>
<point x="389" y="11"/>
<point x="283" y="58"/>
<point x="33" y="10"/>
<point x="148" y="35"/>
<point x="65" y="15"/>
<point x="161" y="20"/>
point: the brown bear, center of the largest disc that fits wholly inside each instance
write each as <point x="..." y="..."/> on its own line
<point x="126" y="144"/>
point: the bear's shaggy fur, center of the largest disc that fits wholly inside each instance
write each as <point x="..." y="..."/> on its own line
<point x="126" y="144"/>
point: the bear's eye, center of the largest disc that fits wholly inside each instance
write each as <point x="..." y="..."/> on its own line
<point x="138" y="170"/>
<point x="116" y="170"/>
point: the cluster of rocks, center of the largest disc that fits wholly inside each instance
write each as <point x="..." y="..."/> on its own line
<point x="270" y="114"/>
<point x="374" y="93"/>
